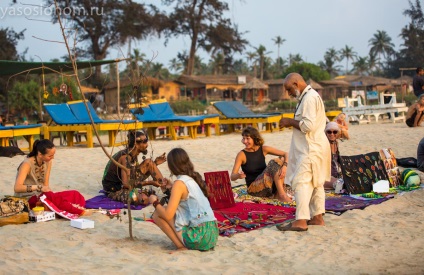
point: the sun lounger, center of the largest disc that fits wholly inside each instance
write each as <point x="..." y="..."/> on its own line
<point x="111" y="126"/>
<point x="63" y="120"/>
<point x="234" y="113"/>
<point x="26" y="131"/>
<point x="152" y="122"/>
<point x="163" y="110"/>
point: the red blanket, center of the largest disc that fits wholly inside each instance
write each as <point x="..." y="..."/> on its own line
<point x="249" y="216"/>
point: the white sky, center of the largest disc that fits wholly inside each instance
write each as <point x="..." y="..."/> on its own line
<point x="310" y="27"/>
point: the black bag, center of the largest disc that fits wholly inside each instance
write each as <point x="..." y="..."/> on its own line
<point x="409" y="162"/>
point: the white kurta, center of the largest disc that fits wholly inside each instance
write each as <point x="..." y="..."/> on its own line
<point x="309" y="161"/>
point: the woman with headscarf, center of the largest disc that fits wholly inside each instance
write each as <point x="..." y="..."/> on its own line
<point x="332" y="131"/>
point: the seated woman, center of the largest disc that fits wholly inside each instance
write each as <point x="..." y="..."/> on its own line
<point x="116" y="180"/>
<point x="262" y="180"/>
<point x="188" y="219"/>
<point x="343" y="125"/>
<point x="32" y="181"/>
<point x="415" y="114"/>
<point x="332" y="132"/>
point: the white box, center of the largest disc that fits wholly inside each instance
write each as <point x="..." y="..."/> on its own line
<point x="46" y="216"/>
<point x="82" y="223"/>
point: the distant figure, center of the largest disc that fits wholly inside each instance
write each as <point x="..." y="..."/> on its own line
<point x="415" y="114"/>
<point x="387" y="100"/>
<point x="343" y="125"/>
<point x="420" y="155"/>
<point x="418" y="82"/>
<point x="309" y="164"/>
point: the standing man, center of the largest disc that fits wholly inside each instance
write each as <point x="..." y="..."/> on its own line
<point x="309" y="164"/>
<point x="418" y="82"/>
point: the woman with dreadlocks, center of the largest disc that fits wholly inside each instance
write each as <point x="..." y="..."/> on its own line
<point x="116" y="180"/>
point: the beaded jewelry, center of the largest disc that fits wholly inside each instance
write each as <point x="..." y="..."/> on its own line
<point x="39" y="188"/>
<point x="29" y="188"/>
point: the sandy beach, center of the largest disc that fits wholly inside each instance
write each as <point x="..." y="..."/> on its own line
<point x="381" y="239"/>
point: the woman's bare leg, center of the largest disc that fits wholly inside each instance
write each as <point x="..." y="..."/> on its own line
<point x="168" y="228"/>
<point x="281" y="192"/>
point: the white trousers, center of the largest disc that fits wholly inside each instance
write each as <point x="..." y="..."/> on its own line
<point x="310" y="200"/>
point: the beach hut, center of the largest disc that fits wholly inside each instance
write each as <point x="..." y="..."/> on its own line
<point x="255" y="92"/>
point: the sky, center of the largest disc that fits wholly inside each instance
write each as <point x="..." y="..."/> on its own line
<point x="310" y="28"/>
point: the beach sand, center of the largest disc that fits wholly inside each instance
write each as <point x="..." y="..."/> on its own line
<point x="381" y="239"/>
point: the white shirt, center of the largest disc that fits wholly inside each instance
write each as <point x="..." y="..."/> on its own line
<point x="309" y="149"/>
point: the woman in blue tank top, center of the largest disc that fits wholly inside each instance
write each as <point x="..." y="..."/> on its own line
<point x="188" y="219"/>
<point x="262" y="180"/>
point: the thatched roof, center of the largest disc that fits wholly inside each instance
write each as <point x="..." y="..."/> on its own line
<point x="335" y="82"/>
<point x="315" y="85"/>
<point x="361" y="80"/>
<point x="145" y="81"/>
<point x="199" y="81"/>
<point x="271" y="82"/>
<point x="255" y="84"/>
<point x="86" y="89"/>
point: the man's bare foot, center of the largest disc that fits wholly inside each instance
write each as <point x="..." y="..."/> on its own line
<point x="178" y="250"/>
<point x="316" y="220"/>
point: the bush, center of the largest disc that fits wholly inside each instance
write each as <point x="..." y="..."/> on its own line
<point x="187" y="107"/>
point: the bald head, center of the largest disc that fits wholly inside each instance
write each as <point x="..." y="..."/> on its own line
<point x="293" y="82"/>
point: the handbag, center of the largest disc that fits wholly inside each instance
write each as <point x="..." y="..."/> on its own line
<point x="13" y="210"/>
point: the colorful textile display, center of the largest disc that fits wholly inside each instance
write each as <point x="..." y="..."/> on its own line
<point x="241" y="195"/>
<point x="391" y="167"/>
<point x="103" y="202"/>
<point x="243" y="217"/>
<point x="219" y="188"/>
<point x="339" y="204"/>
<point x="361" y="171"/>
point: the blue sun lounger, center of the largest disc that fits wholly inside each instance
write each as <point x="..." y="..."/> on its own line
<point x="26" y="131"/>
<point x="235" y="113"/>
<point x="152" y="122"/>
<point x="164" y="110"/>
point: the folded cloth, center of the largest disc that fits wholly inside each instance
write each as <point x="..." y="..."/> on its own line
<point x="103" y="202"/>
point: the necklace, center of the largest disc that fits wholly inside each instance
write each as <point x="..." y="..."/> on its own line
<point x="36" y="161"/>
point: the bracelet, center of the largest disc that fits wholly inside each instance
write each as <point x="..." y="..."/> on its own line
<point x="285" y="164"/>
<point x="39" y="188"/>
<point x="155" y="203"/>
<point x="29" y="188"/>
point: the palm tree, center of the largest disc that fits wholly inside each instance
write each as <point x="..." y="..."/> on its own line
<point x="360" y="66"/>
<point x="372" y="63"/>
<point x="250" y="57"/>
<point x="331" y="56"/>
<point x="261" y="53"/>
<point x="175" y="65"/>
<point x="279" y="42"/>
<point x="347" y="53"/>
<point x="295" y="58"/>
<point x="381" y="44"/>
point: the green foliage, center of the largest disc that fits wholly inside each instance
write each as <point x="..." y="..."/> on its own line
<point x="23" y="98"/>
<point x="308" y="71"/>
<point x="285" y="105"/>
<point x="185" y="107"/>
<point x="62" y="97"/>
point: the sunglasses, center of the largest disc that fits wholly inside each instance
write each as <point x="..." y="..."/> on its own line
<point x="332" y="132"/>
<point x="142" y="140"/>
